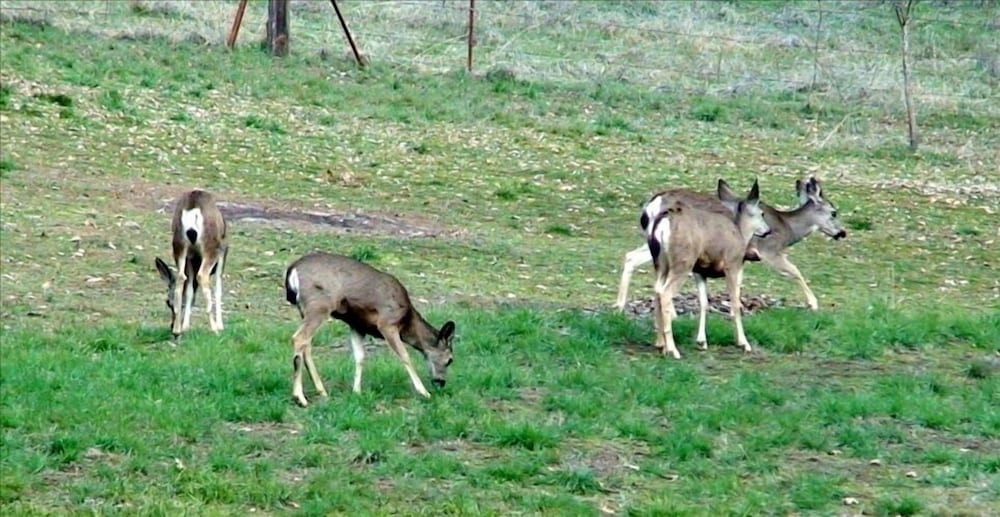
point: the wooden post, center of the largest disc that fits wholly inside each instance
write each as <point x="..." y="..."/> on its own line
<point x="277" y="27"/>
<point x="233" y="32"/>
<point x="472" y="37"/>
<point x="343" y="25"/>
<point x="903" y="17"/>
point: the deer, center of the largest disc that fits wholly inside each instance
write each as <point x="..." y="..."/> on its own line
<point x="200" y="248"/>
<point x="788" y="227"/>
<point x="372" y="303"/>
<point x="684" y="239"/>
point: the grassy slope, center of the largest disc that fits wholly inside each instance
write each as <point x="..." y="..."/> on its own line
<point x="531" y="187"/>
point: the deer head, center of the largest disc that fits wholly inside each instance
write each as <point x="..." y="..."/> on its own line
<point x="825" y="214"/>
<point x="751" y="211"/>
<point x="170" y="278"/>
<point x="439" y="355"/>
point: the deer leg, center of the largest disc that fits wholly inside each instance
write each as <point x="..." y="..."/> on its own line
<point x="786" y="268"/>
<point x="658" y="319"/>
<point x="314" y="372"/>
<point x="358" y="347"/>
<point x="391" y="336"/>
<point x="302" y="343"/>
<point x="181" y="288"/>
<point x="205" y="282"/>
<point x="666" y="291"/>
<point x="703" y="312"/>
<point x="188" y="302"/>
<point x="218" y="290"/>
<point x="633" y="259"/>
<point x="735" y="279"/>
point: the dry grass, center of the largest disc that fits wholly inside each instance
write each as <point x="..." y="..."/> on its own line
<point x="688" y="48"/>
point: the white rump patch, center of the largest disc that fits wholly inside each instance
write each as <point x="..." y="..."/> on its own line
<point x="293" y="283"/>
<point x="193" y="220"/>
<point x="661" y="232"/>
<point x="652" y="210"/>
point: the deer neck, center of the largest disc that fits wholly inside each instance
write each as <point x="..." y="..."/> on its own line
<point x="799" y="222"/>
<point x="745" y="226"/>
<point x="418" y="333"/>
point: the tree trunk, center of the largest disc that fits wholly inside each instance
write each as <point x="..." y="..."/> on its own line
<point x="903" y="17"/>
<point x="277" y="27"/>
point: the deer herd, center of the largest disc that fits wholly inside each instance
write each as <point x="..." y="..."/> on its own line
<point x="686" y="232"/>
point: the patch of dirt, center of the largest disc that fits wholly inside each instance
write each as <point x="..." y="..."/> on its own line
<point x="87" y="462"/>
<point x="468" y="450"/>
<point x="605" y="458"/>
<point x="527" y="397"/>
<point x="144" y="195"/>
<point x="338" y="221"/>
<point x="718" y="303"/>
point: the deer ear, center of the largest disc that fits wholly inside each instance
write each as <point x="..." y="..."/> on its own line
<point x="446" y="331"/>
<point x="724" y="192"/>
<point x="165" y="273"/>
<point x="754" y="195"/>
<point x="812" y="187"/>
<point x="801" y="191"/>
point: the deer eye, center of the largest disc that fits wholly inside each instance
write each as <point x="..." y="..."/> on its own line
<point x="450" y="359"/>
<point x="835" y="213"/>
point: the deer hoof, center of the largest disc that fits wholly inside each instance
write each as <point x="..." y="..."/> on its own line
<point x="702" y="345"/>
<point x="300" y="400"/>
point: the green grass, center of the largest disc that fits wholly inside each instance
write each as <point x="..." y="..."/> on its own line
<point x="504" y="200"/>
<point x="210" y="418"/>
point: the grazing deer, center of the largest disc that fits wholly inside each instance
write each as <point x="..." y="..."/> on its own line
<point x="200" y="249"/>
<point x="684" y="239"/>
<point x="372" y="303"/>
<point x="814" y="212"/>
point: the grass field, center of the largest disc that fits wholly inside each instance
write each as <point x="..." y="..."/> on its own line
<point x="505" y="201"/>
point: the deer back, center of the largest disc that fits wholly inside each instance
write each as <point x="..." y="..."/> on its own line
<point x="715" y="237"/>
<point x="668" y="198"/>
<point x="348" y="290"/>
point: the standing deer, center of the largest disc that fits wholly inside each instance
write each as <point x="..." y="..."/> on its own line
<point x="200" y="249"/>
<point x="684" y="239"/>
<point x="372" y="303"/>
<point x="814" y="212"/>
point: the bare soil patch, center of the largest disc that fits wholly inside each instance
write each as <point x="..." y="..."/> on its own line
<point x="341" y="222"/>
<point x="719" y="303"/>
<point x="605" y="458"/>
<point x="141" y="194"/>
